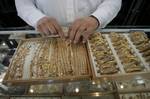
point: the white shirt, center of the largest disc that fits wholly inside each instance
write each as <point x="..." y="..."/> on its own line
<point x="66" y="11"/>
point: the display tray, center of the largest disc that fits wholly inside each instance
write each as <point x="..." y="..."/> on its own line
<point x="47" y="60"/>
<point x="119" y="55"/>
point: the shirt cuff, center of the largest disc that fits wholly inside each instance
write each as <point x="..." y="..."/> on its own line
<point x="100" y="19"/>
<point x="96" y="20"/>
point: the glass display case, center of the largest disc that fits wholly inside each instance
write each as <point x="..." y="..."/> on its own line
<point x="100" y="85"/>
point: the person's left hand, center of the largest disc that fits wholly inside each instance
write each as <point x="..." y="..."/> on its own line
<point x="82" y="28"/>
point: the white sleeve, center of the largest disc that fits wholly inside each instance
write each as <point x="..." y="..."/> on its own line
<point x="28" y="12"/>
<point x="106" y="11"/>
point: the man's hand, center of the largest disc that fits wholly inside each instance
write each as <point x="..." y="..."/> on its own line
<point x="49" y="26"/>
<point x="82" y="28"/>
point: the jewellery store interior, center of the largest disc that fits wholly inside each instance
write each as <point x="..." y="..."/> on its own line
<point x="104" y="52"/>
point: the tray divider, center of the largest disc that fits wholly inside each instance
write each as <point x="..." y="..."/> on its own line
<point x="146" y="65"/>
<point x="28" y="59"/>
<point x="92" y="60"/>
<point x="121" y="68"/>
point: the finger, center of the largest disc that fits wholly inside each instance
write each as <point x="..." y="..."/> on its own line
<point x="73" y="31"/>
<point x="51" y="29"/>
<point x="45" y="30"/>
<point x="86" y="36"/>
<point x="79" y="34"/>
<point x="42" y="34"/>
<point x="39" y="29"/>
<point x="59" y="30"/>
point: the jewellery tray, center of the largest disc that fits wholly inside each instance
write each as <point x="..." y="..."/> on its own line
<point x="38" y="80"/>
<point x="121" y="75"/>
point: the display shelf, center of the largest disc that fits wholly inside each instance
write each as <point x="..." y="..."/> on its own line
<point x="89" y="87"/>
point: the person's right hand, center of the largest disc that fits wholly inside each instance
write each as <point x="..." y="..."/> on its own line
<point x="49" y="26"/>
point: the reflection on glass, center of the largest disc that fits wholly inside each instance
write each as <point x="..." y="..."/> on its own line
<point x="77" y="90"/>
